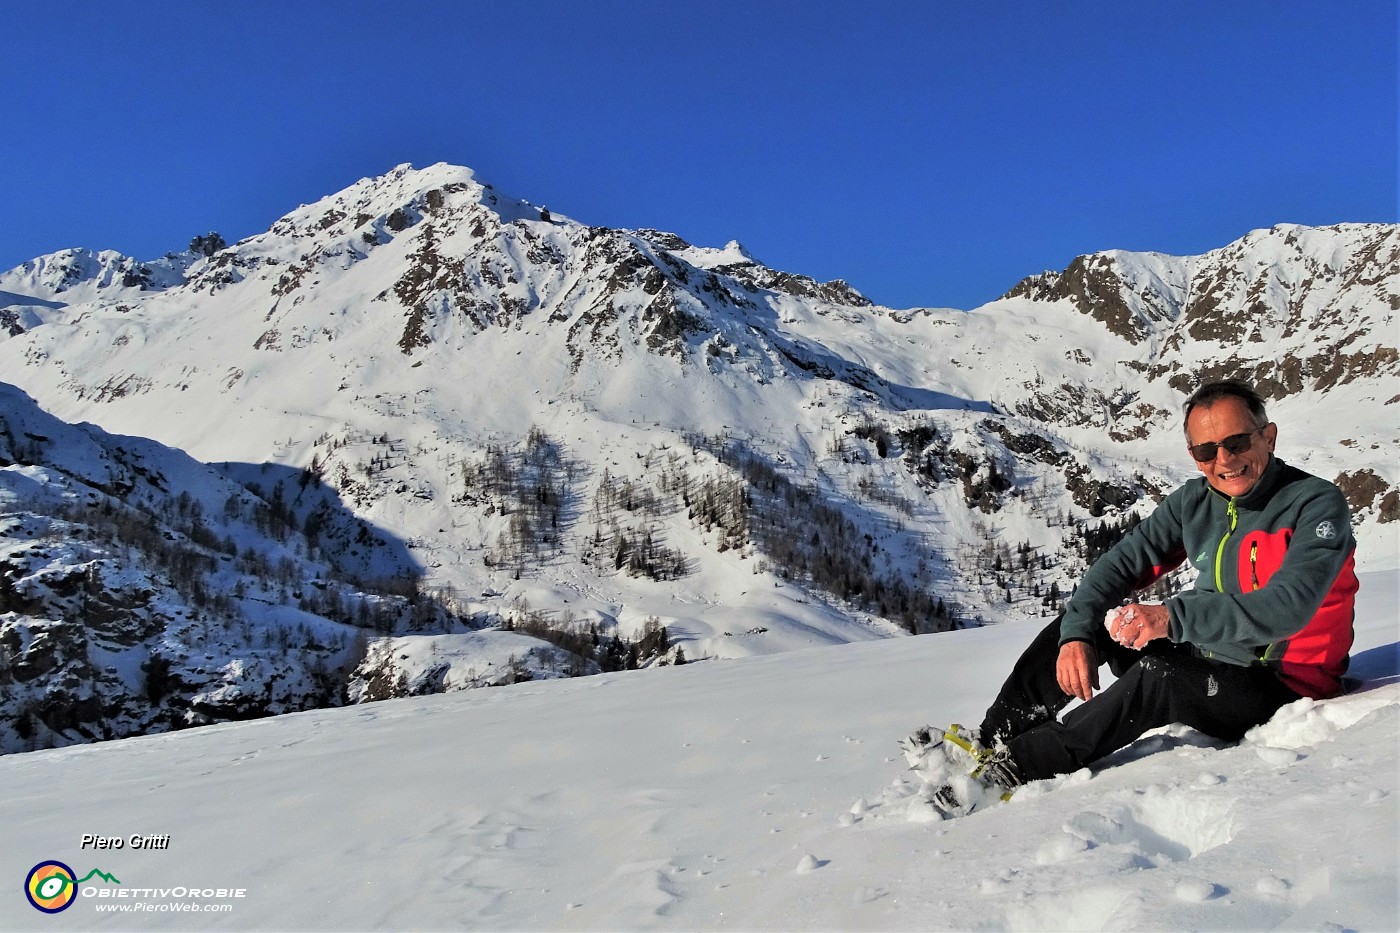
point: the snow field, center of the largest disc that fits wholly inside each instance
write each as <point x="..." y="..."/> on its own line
<point x="764" y="793"/>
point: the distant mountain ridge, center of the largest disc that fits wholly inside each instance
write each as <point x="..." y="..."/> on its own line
<point x="30" y="292"/>
<point x="609" y="429"/>
<point x="1324" y="294"/>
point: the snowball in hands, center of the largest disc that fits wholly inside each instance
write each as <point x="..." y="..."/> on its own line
<point x="1124" y="624"/>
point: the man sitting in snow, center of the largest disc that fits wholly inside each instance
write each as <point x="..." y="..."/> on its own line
<point x="1269" y="620"/>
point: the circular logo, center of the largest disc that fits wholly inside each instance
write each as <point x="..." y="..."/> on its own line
<point x="50" y="887"/>
<point x="1327" y="531"/>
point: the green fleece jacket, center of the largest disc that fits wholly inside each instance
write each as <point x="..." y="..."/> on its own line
<point x="1276" y="582"/>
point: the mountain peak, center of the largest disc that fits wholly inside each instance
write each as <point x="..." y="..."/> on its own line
<point x="736" y="249"/>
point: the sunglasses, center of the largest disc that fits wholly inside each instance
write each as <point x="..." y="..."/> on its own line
<point x="1235" y="444"/>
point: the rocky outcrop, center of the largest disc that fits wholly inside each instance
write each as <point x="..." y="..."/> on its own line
<point x="1370" y="495"/>
<point x="1096" y="287"/>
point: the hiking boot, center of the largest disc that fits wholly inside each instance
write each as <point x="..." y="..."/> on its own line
<point x="993" y="780"/>
<point x="930" y="746"/>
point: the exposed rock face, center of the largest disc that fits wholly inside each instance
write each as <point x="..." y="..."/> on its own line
<point x="1096" y="286"/>
<point x="1124" y="415"/>
<point x="1367" y="492"/>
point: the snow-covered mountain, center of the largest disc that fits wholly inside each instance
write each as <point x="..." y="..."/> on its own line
<point x="604" y="433"/>
<point x="143" y="591"/>
<point x="1290" y="309"/>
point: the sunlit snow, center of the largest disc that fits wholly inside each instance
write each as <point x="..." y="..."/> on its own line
<point x="757" y="794"/>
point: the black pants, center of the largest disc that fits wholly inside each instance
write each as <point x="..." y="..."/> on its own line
<point x="1164" y="683"/>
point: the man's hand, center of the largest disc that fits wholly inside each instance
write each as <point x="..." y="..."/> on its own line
<point x="1133" y="626"/>
<point x="1077" y="669"/>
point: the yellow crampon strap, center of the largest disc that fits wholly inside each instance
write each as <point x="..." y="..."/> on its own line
<point x="952" y="734"/>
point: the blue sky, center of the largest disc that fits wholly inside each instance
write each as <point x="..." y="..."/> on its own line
<point x="930" y="153"/>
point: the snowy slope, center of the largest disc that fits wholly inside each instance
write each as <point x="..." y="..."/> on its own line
<point x="759" y="794"/>
<point x="141" y="590"/>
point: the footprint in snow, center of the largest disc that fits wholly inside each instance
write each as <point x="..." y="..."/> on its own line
<point x="1060" y="849"/>
<point x="1196" y="890"/>
<point x="1159" y="824"/>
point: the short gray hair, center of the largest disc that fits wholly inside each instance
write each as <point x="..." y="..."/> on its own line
<point x="1212" y="392"/>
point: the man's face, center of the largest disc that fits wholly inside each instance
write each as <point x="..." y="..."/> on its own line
<point x="1230" y="474"/>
